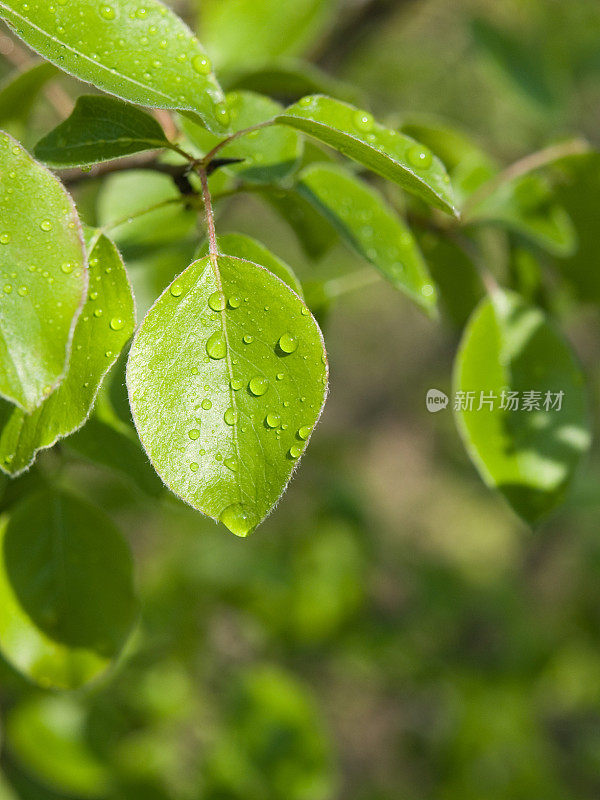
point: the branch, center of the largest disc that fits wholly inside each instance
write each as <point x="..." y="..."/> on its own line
<point x="145" y="161"/>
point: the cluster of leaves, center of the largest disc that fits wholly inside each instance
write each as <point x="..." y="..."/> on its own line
<point x="227" y="374"/>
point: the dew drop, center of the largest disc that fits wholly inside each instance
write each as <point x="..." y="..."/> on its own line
<point x="116" y="323"/>
<point x="232" y="463"/>
<point x="194" y="466"/>
<point x="235" y="302"/>
<point x="363" y="121"/>
<point x="295" y="451"/>
<point x="222" y="113"/>
<point x="4" y="238"/>
<point x="239" y="519"/>
<point x="230" y="416"/>
<point x="280" y="376"/>
<point x="107" y="12"/>
<point x="419" y="157"/>
<point x="427" y="290"/>
<point x="248" y="339"/>
<point x="236" y="384"/>
<point x="216" y="346"/>
<point x="7" y="288"/>
<point x="288" y="343"/>
<point x="176" y="289"/>
<point x="304" y="432"/>
<point x="46" y="225"/>
<point x="206" y="404"/>
<point x="98" y="312"/>
<point x="258" y="385"/>
<point x="201" y="64"/>
<point x="273" y="420"/>
<point x="194" y="434"/>
<point x="22" y="291"/>
<point x="217" y="301"/>
<point x="67" y="267"/>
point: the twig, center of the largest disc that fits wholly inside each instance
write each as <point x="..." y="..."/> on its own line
<point x="210" y="219"/>
<point x="144" y="161"/>
<point x="205" y="161"/>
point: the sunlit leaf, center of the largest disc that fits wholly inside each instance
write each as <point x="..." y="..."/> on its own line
<point x="105" y="325"/>
<point x="141" y="53"/>
<point x="267" y="155"/>
<point x="43" y="276"/>
<point x="227" y="377"/>
<point x="247" y="32"/>
<point x="46" y="735"/>
<point x="99" y="129"/>
<point x="66" y="589"/>
<point x="374" y="230"/>
<point x="357" y="135"/>
<point x="528" y="455"/>
<point x="249" y="249"/>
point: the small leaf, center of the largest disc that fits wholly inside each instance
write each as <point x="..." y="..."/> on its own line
<point x="99" y="129"/>
<point x="267" y="155"/>
<point x="356" y="134"/>
<point x="104" y="327"/>
<point x="249" y="249"/>
<point x="227" y="377"/>
<point x="66" y="589"/>
<point x="374" y="230"/>
<point x="528" y="206"/>
<point x="43" y="276"/>
<point x="528" y="455"/>
<point x="19" y="92"/>
<point x="142" y="53"/>
<point x="250" y="32"/>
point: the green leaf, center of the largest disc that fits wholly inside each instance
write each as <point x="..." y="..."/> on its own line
<point x="19" y="92"/>
<point x="100" y="129"/>
<point x="268" y="155"/>
<point x="66" y="588"/>
<point x="104" y="327"/>
<point x="249" y="249"/>
<point x="527" y="206"/>
<point x="142" y="53"/>
<point x="225" y="400"/>
<point x="315" y="234"/>
<point x="289" y="79"/>
<point x="47" y="735"/>
<point x="391" y="154"/>
<point x="528" y="455"/>
<point x="249" y="32"/>
<point x="43" y="276"/>
<point x="371" y="227"/>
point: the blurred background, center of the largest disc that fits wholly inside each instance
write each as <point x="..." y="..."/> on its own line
<point x="392" y="630"/>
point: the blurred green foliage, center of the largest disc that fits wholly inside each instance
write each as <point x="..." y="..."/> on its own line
<point x="393" y="631"/>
